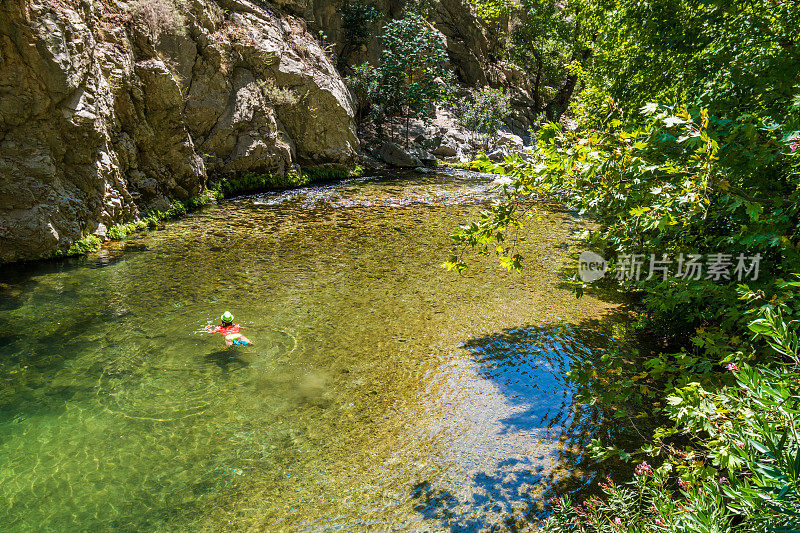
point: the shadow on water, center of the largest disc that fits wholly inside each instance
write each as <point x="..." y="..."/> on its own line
<point x="227" y="359"/>
<point x="528" y="366"/>
<point x="436" y="504"/>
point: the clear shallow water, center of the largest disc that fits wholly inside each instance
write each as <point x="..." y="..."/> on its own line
<point x="381" y="392"/>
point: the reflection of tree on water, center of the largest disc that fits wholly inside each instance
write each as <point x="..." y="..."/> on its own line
<point x="528" y="365"/>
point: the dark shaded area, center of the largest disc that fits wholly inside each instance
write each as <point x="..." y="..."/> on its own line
<point x="27" y="367"/>
<point x="227" y="359"/>
<point x="32" y="354"/>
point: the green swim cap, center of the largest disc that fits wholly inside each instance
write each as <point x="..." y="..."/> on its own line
<point x="227" y="316"/>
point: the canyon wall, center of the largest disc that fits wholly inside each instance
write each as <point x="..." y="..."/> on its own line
<point x="109" y="109"/>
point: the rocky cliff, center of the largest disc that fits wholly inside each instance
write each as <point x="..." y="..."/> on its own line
<point x="110" y="108"/>
<point x="474" y="47"/>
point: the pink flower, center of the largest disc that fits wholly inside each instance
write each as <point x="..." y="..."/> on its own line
<point x="732" y="367"/>
<point x="794" y="145"/>
<point x="740" y="444"/>
<point x="724" y="480"/>
<point x="618" y="522"/>
<point x="644" y="469"/>
<point x="682" y="483"/>
<point x="659" y="522"/>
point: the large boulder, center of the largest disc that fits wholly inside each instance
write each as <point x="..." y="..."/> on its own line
<point x="499" y="154"/>
<point x="395" y="156"/>
<point x="444" y="146"/>
<point x="513" y="142"/>
<point x="446" y="149"/>
<point x="425" y="157"/>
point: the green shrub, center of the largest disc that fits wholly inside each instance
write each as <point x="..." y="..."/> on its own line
<point x="485" y="110"/>
<point x="201" y="200"/>
<point x="249" y="182"/>
<point x="153" y="218"/>
<point x="744" y="447"/>
<point x="117" y="232"/>
<point x="323" y="174"/>
<point x="85" y="245"/>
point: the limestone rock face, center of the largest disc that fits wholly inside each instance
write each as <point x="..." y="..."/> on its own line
<point x="108" y="109"/>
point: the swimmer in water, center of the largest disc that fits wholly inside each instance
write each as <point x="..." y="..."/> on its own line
<point x="230" y="331"/>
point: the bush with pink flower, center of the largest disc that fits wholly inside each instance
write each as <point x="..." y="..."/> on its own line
<point x="743" y="470"/>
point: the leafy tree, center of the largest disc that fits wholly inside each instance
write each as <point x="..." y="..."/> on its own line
<point x="410" y="77"/>
<point x="358" y="18"/>
<point x="546" y="39"/>
<point x="686" y="143"/>
<point x="492" y="11"/>
<point x="363" y="82"/>
<point x="484" y="111"/>
<point x="709" y="166"/>
<point x="745" y="456"/>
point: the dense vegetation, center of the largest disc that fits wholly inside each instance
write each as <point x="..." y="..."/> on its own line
<point x="410" y="76"/>
<point x="483" y="111"/>
<point x="686" y="152"/>
<point x="358" y="18"/>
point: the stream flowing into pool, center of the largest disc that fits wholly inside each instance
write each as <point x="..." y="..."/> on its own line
<point x="380" y="392"/>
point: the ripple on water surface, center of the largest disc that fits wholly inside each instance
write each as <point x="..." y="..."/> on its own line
<point x="380" y="391"/>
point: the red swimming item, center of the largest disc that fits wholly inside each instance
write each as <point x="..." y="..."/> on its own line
<point x="227" y="330"/>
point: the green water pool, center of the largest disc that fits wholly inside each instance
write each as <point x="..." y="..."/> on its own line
<point x="381" y="393"/>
